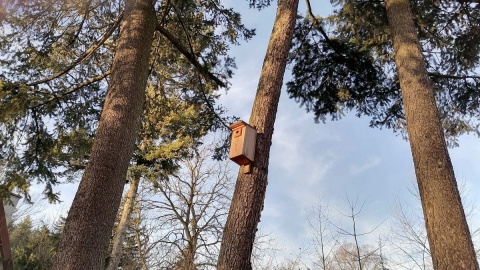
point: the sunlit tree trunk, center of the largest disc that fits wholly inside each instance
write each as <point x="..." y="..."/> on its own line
<point x="141" y="254"/>
<point x="447" y="229"/>
<point x="131" y="195"/>
<point x="248" y="198"/>
<point x="90" y="220"/>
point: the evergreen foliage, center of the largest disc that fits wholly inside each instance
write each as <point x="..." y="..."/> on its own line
<point x="351" y="68"/>
<point x="56" y="74"/>
<point x="259" y="4"/>
<point x="33" y="248"/>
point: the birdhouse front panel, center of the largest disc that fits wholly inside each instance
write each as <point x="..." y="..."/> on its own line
<point x="242" y="148"/>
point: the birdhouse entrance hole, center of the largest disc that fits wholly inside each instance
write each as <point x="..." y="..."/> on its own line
<point x="242" y="148"/>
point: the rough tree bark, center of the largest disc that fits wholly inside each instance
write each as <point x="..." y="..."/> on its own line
<point x="117" y="245"/>
<point x="90" y="220"/>
<point x="447" y="229"/>
<point x="248" y="198"/>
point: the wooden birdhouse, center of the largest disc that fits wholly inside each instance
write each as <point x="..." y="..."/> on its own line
<point x="242" y="147"/>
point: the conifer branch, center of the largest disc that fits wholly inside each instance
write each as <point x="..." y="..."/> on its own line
<point x="80" y="26"/>
<point x="316" y="22"/>
<point x="202" y="89"/>
<point x="190" y="57"/>
<point x="319" y="27"/>
<point x="74" y="89"/>
<point x="447" y="76"/>
<point x="85" y="55"/>
<point x="210" y="106"/>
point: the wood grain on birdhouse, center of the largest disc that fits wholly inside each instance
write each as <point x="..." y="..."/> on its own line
<point x="242" y="147"/>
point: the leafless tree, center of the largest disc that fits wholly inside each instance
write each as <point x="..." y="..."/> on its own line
<point x="292" y="264"/>
<point x="338" y="247"/>
<point x="346" y="258"/>
<point x="361" y="255"/>
<point x="324" y="237"/>
<point x="264" y="251"/>
<point x="185" y="214"/>
<point x="32" y="208"/>
<point x="408" y="236"/>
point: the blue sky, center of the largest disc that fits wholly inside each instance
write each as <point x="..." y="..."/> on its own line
<point x="321" y="163"/>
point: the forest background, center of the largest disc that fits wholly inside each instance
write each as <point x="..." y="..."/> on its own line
<point x="313" y="164"/>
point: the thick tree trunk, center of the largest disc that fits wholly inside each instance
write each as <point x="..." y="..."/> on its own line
<point x="117" y="246"/>
<point x="449" y="238"/>
<point x="248" y="198"/>
<point x="90" y="220"/>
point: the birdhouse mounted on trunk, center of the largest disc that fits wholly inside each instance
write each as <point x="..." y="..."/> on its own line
<point x="242" y="147"/>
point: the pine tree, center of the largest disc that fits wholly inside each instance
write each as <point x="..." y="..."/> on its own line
<point x="248" y="198"/>
<point x="31" y="102"/>
<point x="449" y="237"/>
<point x="100" y="191"/>
<point x="55" y="58"/>
<point x="344" y="62"/>
<point x="56" y="75"/>
<point x="32" y="247"/>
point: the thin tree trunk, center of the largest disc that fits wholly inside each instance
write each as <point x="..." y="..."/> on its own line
<point x="131" y="195"/>
<point x="355" y="237"/>
<point x="248" y="198"/>
<point x="450" y="241"/>
<point x="138" y="240"/>
<point x="5" y="248"/>
<point x="89" y="224"/>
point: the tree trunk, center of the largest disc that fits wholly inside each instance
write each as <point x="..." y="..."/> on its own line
<point x="248" y="198"/>
<point x="138" y="240"/>
<point x="89" y="224"/>
<point x="131" y="195"/>
<point x="449" y="238"/>
<point x="5" y="248"/>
